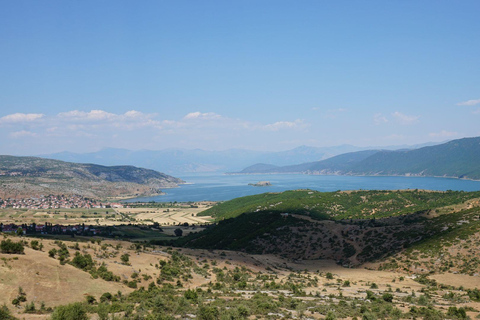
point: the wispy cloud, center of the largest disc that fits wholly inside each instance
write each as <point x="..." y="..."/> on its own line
<point x="20" y="117"/>
<point x="202" y="116"/>
<point x="22" y="134"/>
<point x="129" y="120"/>
<point x="94" y="129"/>
<point x="285" y="125"/>
<point x="379" y="118"/>
<point x="405" y="119"/>
<point x="469" y="102"/>
<point x="93" y="115"/>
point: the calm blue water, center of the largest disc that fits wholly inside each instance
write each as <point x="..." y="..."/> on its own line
<point x="219" y="187"/>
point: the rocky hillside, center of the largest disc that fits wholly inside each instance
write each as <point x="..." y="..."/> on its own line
<point x="30" y="176"/>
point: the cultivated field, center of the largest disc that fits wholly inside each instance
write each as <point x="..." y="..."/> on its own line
<point x="59" y="216"/>
<point x="173" y="215"/>
<point x="170" y="215"/>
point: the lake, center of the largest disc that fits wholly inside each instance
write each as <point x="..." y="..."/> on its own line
<point x="220" y="187"/>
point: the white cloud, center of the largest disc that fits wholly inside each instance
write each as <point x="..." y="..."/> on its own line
<point x="469" y="103"/>
<point x="22" y="134"/>
<point x="93" y="115"/>
<point x="134" y="114"/>
<point x="443" y="134"/>
<point x="202" y="116"/>
<point x="20" y="117"/>
<point x="285" y="125"/>
<point x="405" y="119"/>
<point x="379" y="118"/>
<point x="129" y="120"/>
<point x="87" y="130"/>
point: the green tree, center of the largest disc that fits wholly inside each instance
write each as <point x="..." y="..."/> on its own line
<point x="90" y="299"/>
<point x="34" y="244"/>
<point x="178" y="232"/>
<point x="8" y="246"/>
<point x="73" y="311"/>
<point x="5" y="313"/>
<point x="125" y="258"/>
<point x="208" y="313"/>
<point x="191" y="295"/>
<point x="102" y="311"/>
<point x="387" y="297"/>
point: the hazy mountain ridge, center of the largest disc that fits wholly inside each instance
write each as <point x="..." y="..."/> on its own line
<point x="174" y="161"/>
<point x="34" y="176"/>
<point x="457" y="158"/>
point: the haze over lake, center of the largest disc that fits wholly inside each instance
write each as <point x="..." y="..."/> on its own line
<point x="220" y="187"/>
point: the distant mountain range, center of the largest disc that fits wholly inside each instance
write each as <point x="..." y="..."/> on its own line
<point x="177" y="161"/>
<point x="458" y="158"/>
<point x="31" y="176"/>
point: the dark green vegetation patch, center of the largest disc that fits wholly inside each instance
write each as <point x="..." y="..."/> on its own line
<point x="8" y="246"/>
<point x="340" y="205"/>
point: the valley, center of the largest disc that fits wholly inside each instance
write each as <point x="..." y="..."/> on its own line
<point x="298" y="254"/>
<point x="239" y="160"/>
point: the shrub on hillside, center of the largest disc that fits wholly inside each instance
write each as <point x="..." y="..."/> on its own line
<point x="5" y="313"/>
<point x="8" y="246"/>
<point x="73" y="311"/>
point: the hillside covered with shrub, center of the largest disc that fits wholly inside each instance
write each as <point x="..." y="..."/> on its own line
<point x="340" y="205"/>
<point x="353" y="228"/>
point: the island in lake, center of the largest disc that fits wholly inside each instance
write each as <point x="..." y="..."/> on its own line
<point x="261" y="184"/>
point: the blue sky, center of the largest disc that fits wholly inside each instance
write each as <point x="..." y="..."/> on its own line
<point x="263" y="75"/>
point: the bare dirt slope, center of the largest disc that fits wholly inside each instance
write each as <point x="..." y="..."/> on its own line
<point x="44" y="280"/>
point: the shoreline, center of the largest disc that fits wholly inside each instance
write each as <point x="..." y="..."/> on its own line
<point x="348" y="175"/>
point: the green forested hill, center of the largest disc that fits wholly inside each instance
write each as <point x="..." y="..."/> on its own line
<point x="341" y="204"/>
<point x="458" y="158"/>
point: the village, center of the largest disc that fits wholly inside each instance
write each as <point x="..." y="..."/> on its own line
<point x="56" y="202"/>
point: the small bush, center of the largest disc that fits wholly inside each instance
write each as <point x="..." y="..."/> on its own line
<point x="73" y="311"/>
<point x="387" y="297"/>
<point x="125" y="258"/>
<point x="8" y="246"/>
